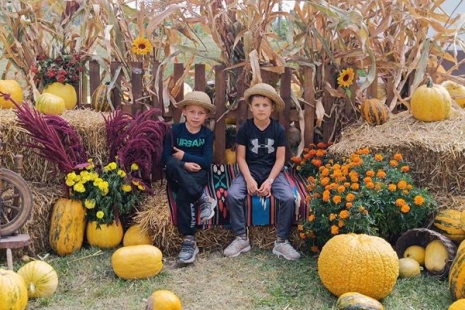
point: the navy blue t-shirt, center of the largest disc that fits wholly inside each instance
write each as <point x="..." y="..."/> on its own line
<point x="197" y="147"/>
<point x="261" y="147"/>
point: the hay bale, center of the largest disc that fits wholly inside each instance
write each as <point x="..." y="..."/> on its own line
<point x="435" y="151"/>
<point x="89" y="124"/>
<point x="154" y="218"/>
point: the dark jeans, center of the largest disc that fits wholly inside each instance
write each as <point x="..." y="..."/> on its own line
<point x="188" y="187"/>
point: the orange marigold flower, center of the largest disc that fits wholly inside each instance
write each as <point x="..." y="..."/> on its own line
<point x="378" y="157"/>
<point x="337" y="199"/>
<point x="306" y="156"/>
<point x="314" y="249"/>
<point x="365" y="212"/>
<point x="302" y="236"/>
<point x="400" y="202"/>
<point x="321" y="145"/>
<point x="405" y="168"/>
<point x="340" y="223"/>
<point x="397" y="156"/>
<point x="402" y="184"/>
<point x="311" y="218"/>
<point x="316" y="195"/>
<point x="405" y="192"/>
<point x="381" y="174"/>
<point x="312" y="152"/>
<point x="378" y="186"/>
<point x="370" y="173"/>
<point x="300" y="227"/>
<point x="405" y="208"/>
<point x="393" y="163"/>
<point x="367" y="180"/>
<point x="324" y="172"/>
<point x="320" y="153"/>
<point x="350" y="197"/>
<point x="392" y="187"/>
<point x="295" y="159"/>
<point x="418" y="200"/>
<point x="332" y="217"/>
<point x="307" y="198"/>
<point x="316" y="162"/>
<point x="349" y="205"/>
<point x="325" y="198"/>
<point x="344" y="214"/>
<point x="355" y="186"/>
<point x="325" y="181"/>
<point x="334" y="230"/>
<point x="341" y="189"/>
<point x="298" y="168"/>
<point x="346" y="184"/>
<point x="361" y="208"/>
<point x="354" y="179"/>
<point x="370" y="185"/>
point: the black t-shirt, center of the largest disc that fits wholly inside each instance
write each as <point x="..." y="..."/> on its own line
<point x="261" y="147"/>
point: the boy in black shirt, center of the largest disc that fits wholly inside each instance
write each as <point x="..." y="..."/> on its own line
<point x="187" y="155"/>
<point x="261" y="146"/>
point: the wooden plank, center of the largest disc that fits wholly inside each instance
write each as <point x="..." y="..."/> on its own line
<point x="157" y="98"/>
<point x="178" y="71"/>
<point x="200" y="82"/>
<point x="309" y="108"/>
<point x="242" y="106"/>
<point x="286" y="96"/>
<point x="220" y="104"/>
<point x="328" y="102"/>
<point x="94" y="77"/>
<point x="116" y="91"/>
<point x="137" y="74"/>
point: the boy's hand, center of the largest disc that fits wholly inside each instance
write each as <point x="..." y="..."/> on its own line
<point x="178" y="154"/>
<point x="265" y="189"/>
<point x="192" y="167"/>
<point x="252" y="187"/>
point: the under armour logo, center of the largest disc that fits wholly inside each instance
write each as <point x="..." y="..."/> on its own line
<point x="256" y="146"/>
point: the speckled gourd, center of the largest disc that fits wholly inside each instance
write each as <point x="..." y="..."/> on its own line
<point x="357" y="301"/>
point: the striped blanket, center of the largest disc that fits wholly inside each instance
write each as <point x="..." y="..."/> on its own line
<point x="260" y="211"/>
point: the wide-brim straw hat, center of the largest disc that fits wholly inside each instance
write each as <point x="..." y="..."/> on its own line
<point x="265" y="90"/>
<point x="198" y="98"/>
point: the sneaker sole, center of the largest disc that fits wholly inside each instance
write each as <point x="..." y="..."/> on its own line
<point x="212" y="209"/>
<point x="244" y="250"/>
<point x="192" y="259"/>
<point x="279" y="254"/>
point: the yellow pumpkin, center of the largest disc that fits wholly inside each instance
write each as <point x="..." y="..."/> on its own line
<point x="408" y="267"/>
<point x="137" y="261"/>
<point x="436" y="256"/>
<point x="351" y="262"/>
<point x="65" y="91"/>
<point x="230" y="156"/>
<point x="374" y="112"/>
<point x="12" y="88"/>
<point x="41" y="279"/>
<point x="456" y="92"/>
<point x="416" y="252"/>
<point x="430" y="102"/>
<point x="135" y="236"/>
<point x="163" y="300"/>
<point x="104" y="236"/>
<point x="457" y="305"/>
<point x="13" y="291"/>
<point x="67" y="226"/>
<point x="50" y="104"/>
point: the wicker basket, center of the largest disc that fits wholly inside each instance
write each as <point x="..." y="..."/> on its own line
<point x="421" y="237"/>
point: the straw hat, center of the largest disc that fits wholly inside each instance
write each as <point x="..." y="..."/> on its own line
<point x="198" y="98"/>
<point x="265" y="90"/>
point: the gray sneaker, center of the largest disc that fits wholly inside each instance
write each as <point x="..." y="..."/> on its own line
<point x="286" y="250"/>
<point x="207" y="208"/>
<point x="238" y="246"/>
<point x="188" y="251"/>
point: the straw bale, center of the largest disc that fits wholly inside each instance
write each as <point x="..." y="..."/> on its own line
<point x="434" y="150"/>
<point x="154" y="218"/>
<point x="89" y="124"/>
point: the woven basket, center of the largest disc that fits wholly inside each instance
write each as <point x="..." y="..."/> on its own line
<point x="421" y="237"/>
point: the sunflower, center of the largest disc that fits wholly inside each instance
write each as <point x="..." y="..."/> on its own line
<point x="346" y="78"/>
<point x="141" y="46"/>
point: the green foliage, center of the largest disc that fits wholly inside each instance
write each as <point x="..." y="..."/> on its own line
<point x="366" y="193"/>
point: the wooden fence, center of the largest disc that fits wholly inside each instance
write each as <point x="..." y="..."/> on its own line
<point x="241" y="113"/>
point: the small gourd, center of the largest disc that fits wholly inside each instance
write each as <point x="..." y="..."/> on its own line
<point x="448" y="223"/>
<point x="99" y="100"/>
<point x="408" y="267"/>
<point x="50" y="104"/>
<point x="357" y="301"/>
<point x="362" y="258"/>
<point x="41" y="279"/>
<point x="436" y="256"/>
<point x="135" y="236"/>
<point x="137" y="261"/>
<point x="163" y="299"/>
<point x="430" y="102"/>
<point x="15" y="91"/>
<point x="374" y="112"/>
<point x="13" y="291"/>
<point x="416" y="252"/>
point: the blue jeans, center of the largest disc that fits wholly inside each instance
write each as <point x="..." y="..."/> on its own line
<point x="281" y="189"/>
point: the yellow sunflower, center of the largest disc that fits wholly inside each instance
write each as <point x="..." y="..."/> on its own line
<point x="346" y="78"/>
<point x="141" y="46"/>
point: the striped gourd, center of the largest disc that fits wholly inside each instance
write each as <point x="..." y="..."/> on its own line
<point x="374" y="112"/>
<point x="99" y="101"/>
<point x="357" y="301"/>
<point x="457" y="276"/>
<point x="447" y="222"/>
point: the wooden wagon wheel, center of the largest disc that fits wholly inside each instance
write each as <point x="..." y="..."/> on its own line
<point x="15" y="202"/>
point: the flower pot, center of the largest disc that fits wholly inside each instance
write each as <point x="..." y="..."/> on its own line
<point x="105" y="236"/>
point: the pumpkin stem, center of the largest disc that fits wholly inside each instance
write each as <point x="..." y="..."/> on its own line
<point x="429" y="82"/>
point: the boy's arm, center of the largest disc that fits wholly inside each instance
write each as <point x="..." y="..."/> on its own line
<point x="167" y="148"/>
<point x="265" y="189"/>
<point x="252" y="186"/>
<point x="207" y="157"/>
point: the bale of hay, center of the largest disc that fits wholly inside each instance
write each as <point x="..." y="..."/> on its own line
<point x="154" y="218"/>
<point x="89" y="124"/>
<point x="435" y="150"/>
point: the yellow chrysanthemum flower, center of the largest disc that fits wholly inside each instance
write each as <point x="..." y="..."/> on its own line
<point x="346" y="78"/>
<point x="121" y="173"/>
<point x="134" y="167"/>
<point x="89" y="203"/>
<point x="141" y="46"/>
<point x="79" y="187"/>
<point x="111" y="166"/>
<point x="100" y="214"/>
<point x="126" y="188"/>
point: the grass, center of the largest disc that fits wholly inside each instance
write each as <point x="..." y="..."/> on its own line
<point x="256" y="280"/>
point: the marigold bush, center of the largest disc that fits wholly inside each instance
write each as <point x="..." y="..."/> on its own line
<point x="366" y="193"/>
